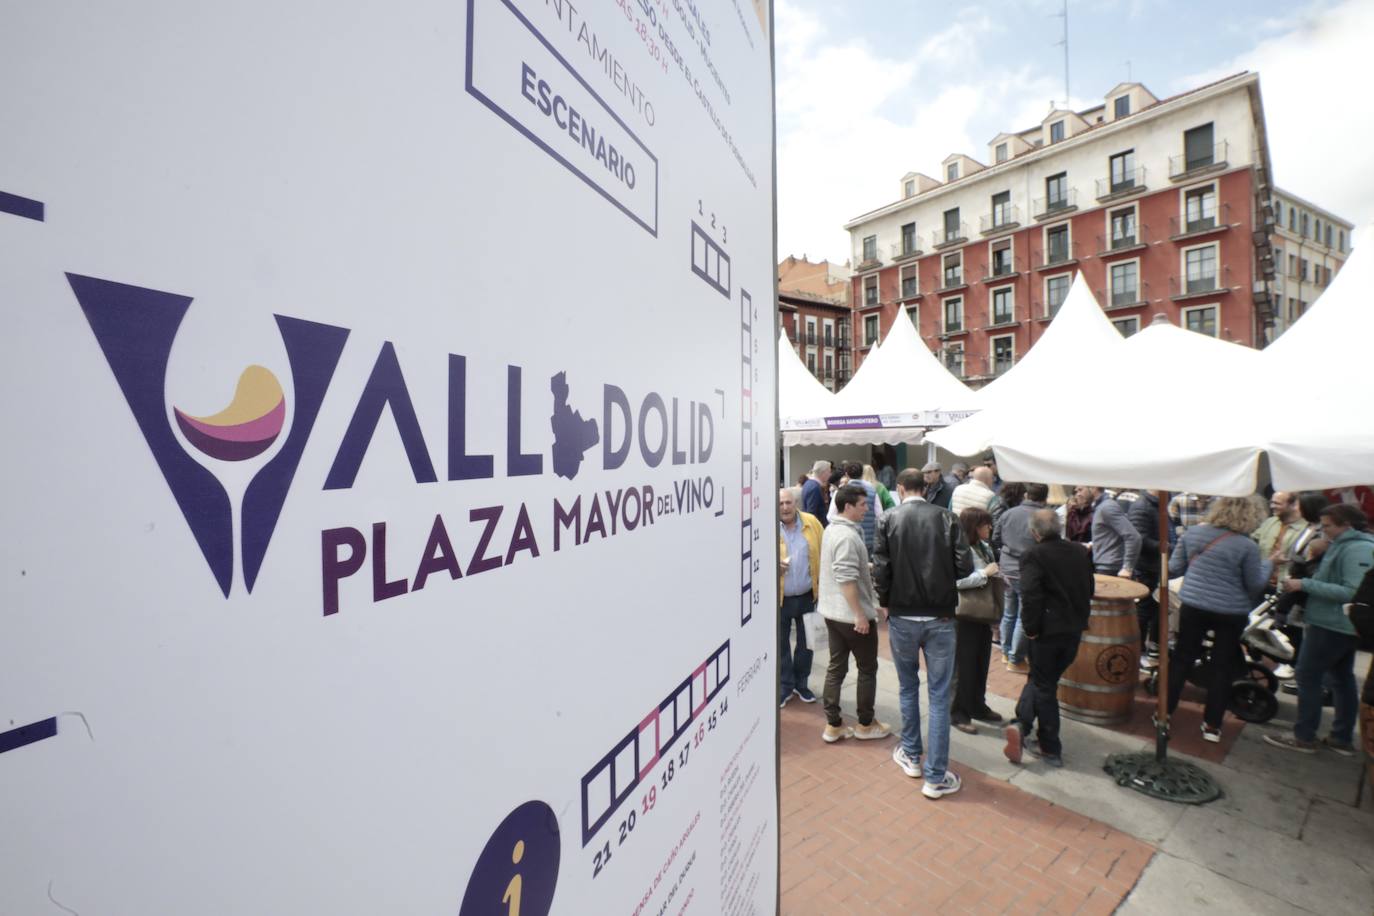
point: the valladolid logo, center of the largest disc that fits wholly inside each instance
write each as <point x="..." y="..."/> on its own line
<point x="135" y="328"/>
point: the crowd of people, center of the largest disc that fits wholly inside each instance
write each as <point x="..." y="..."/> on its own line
<point x="961" y="563"/>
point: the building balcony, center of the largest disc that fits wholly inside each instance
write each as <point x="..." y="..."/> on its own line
<point x="1133" y="182"/>
<point x="1058" y="256"/>
<point x="951" y="282"/>
<point x="1191" y="288"/>
<point x="842" y="377"/>
<point x="909" y="293"/>
<point x="869" y="302"/>
<point x="1182" y="168"/>
<point x="1183" y="228"/>
<point x="867" y="262"/>
<point x="1047" y="208"/>
<point x="1009" y="269"/>
<point x="1002" y="219"/>
<point x="811" y="338"/>
<point x="949" y="236"/>
<point x="1114" y="246"/>
<point x="1124" y="298"/>
<point x="905" y="251"/>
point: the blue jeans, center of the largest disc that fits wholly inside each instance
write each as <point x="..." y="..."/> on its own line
<point x="1331" y="654"/>
<point x="908" y="639"/>
<point x="1013" y="637"/>
<point x="794" y="668"/>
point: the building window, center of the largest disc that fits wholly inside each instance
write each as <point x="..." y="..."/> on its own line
<point x="1057" y="191"/>
<point x="870" y="248"/>
<point x="1123" y="228"/>
<point x="952" y="225"/>
<point x="1304" y="225"/>
<point x="951" y="171"/>
<point x="909" y="188"/>
<point x="908" y="282"/>
<point x="828" y="330"/>
<point x="1001" y="209"/>
<point x="870" y="291"/>
<point x="811" y="363"/>
<point x="1203" y="320"/>
<point x="829" y="367"/>
<point x="1302" y="269"/>
<point x="1200" y="209"/>
<point x="1292" y="220"/>
<point x="1126" y="326"/>
<point x="1121" y="106"/>
<point x="1123" y="171"/>
<point x="1317" y="229"/>
<point x="1292" y="265"/>
<point x="1198" y="148"/>
<point x="914" y="313"/>
<point x="1056" y="291"/>
<point x="1056" y="131"/>
<point x="954" y="359"/>
<point x="1125" y="283"/>
<point x="1201" y="268"/>
<point x="1328" y="235"/>
<point x="1001" y="259"/>
<point x="1057" y="244"/>
<point x="954" y="314"/>
<point x="1001" y="153"/>
<point x="954" y="270"/>
<point x="1278" y="213"/>
<point x="811" y="332"/>
<point x="1340" y="244"/>
<point x="870" y="330"/>
<point x="1003" y="311"/>
<point x="1003" y="354"/>
<point x="908" y="238"/>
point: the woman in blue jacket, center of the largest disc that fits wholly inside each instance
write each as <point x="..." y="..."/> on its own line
<point x="1223" y="577"/>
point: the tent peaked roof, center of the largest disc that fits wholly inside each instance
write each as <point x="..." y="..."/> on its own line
<point x="902" y="376"/>
<point x="1342" y="315"/>
<point x="1079" y="330"/>
<point x="803" y="402"/>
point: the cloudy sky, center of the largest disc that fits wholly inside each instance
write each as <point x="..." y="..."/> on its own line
<point x="871" y="89"/>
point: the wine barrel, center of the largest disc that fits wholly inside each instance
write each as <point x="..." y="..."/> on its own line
<point x="1099" y="687"/>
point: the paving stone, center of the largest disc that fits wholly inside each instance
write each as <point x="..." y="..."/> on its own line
<point x="1173" y="885"/>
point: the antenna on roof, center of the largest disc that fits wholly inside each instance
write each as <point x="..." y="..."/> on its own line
<point x="1065" y="43"/>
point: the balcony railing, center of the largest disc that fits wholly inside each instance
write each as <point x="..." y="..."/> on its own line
<point x="827" y="341"/>
<point x="910" y="289"/>
<point x="953" y="327"/>
<point x="810" y="338"/>
<point x="870" y="301"/>
<point x="1182" y="227"/>
<point x="842" y="377"/>
<point x="1181" y="166"/>
<point x="1007" y="216"/>
<point x="866" y="260"/>
<point x="1184" y="288"/>
<point x="1054" y="255"/>
<point x="1125" y="298"/>
<point x="901" y="250"/>
<point x="942" y="238"/>
<point x="1046" y="207"/>
<point x="952" y="279"/>
<point x="1109" y="244"/>
<point x="1009" y="267"/>
<point x="1130" y="183"/>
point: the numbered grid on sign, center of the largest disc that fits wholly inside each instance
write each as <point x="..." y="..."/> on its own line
<point x="648" y="743"/>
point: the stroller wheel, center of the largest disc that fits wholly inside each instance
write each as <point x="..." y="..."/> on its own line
<point x="1250" y="702"/>
<point x="1262" y="676"/>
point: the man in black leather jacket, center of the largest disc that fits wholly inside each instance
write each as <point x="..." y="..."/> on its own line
<point x="919" y="553"/>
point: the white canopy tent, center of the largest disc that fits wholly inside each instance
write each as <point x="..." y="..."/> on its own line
<point x="1080" y="343"/>
<point x="803" y="402"/>
<point x="899" y="392"/>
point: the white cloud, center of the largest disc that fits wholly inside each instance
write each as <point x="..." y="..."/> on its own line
<point x="1314" y="79"/>
<point x="851" y="121"/>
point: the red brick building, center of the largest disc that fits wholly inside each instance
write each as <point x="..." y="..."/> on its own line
<point x="1164" y="206"/>
<point x="813" y="303"/>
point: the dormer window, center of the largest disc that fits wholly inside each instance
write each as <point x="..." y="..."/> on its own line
<point x="952" y="171"/>
<point x="1056" y="131"/>
<point x="1001" y="152"/>
<point x="1121" y="106"/>
<point x="909" y="189"/>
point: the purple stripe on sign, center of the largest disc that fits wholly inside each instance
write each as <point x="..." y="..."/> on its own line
<point x="21" y="206"/>
<point x="27" y="734"/>
<point x="853" y="423"/>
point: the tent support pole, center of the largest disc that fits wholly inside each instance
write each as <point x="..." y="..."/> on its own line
<point x="1155" y="774"/>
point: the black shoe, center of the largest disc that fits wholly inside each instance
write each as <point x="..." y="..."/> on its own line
<point x="1032" y="746"/>
<point x="990" y="717"/>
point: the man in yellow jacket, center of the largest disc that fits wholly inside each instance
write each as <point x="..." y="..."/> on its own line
<point x="799" y="562"/>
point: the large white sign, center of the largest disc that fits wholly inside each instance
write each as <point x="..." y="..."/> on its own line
<point x="388" y="392"/>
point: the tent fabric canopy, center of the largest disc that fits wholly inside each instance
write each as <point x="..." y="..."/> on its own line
<point x="902" y="377"/>
<point x="803" y="402"/>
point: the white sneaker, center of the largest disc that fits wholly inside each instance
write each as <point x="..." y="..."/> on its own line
<point x="1210" y="735"/>
<point x="1285" y="672"/>
<point x="947" y="786"/>
<point x="910" y="767"/>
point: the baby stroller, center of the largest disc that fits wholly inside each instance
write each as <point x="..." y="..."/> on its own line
<point x="1254" y="691"/>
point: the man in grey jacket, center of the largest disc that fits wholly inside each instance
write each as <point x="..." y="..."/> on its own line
<point x="1116" y="543"/>
<point x="849" y="604"/>
<point x="1014" y="534"/>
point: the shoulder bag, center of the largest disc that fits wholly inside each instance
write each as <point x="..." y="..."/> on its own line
<point x="982" y="604"/>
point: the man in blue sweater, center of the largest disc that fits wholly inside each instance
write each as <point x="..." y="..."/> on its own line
<point x="1329" y="643"/>
<point x="813" y="496"/>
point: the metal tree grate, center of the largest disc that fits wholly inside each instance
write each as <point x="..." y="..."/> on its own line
<point x="1171" y="780"/>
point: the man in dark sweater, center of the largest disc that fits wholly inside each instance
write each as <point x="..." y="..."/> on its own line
<point x="1056" y="595"/>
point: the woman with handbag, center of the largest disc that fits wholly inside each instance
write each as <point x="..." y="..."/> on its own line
<point x="1223" y="576"/>
<point x="980" y="609"/>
